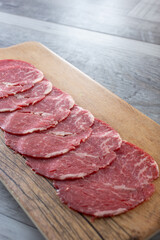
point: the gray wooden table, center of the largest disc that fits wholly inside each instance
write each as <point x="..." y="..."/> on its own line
<point x="116" y="42"/>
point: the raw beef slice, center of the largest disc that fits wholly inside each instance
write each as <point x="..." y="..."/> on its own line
<point x="95" y="153"/>
<point x="113" y="190"/>
<point x="45" y="145"/>
<point x="78" y="120"/>
<point x="6" y="90"/>
<point x="18" y="79"/>
<point x="5" y="63"/>
<point x="33" y="95"/>
<point x="45" y="114"/>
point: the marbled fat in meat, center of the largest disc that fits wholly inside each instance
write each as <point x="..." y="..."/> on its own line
<point x="32" y="96"/>
<point x="45" y="145"/>
<point x="116" y="189"/>
<point x="17" y="79"/>
<point x="95" y="153"/>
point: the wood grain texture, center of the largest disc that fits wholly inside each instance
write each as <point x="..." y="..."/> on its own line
<point x="129" y="68"/>
<point x="37" y="196"/>
<point x="132" y="19"/>
<point x="11" y="209"/>
<point x="147" y="10"/>
<point x="9" y="230"/>
<point x="78" y="34"/>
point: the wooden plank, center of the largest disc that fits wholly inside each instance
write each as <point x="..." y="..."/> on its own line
<point x="130" y="69"/>
<point x="110" y="230"/>
<point x="9" y="230"/>
<point x="37" y="196"/>
<point x="11" y="209"/>
<point x="81" y="34"/>
<point x="109" y="17"/>
<point x="147" y="10"/>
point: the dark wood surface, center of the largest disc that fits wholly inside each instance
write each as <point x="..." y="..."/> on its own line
<point x="114" y="42"/>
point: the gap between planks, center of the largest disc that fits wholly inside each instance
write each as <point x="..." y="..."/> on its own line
<point x="119" y="22"/>
<point x="90" y="36"/>
<point x="28" y="232"/>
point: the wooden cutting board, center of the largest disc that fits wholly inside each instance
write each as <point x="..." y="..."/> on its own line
<point x="37" y="196"/>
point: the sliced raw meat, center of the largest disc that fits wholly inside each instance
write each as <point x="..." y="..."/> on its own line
<point x="45" y="114"/>
<point x="104" y="135"/>
<point x="3" y="117"/>
<point x="56" y="103"/>
<point x="23" y="123"/>
<point x="20" y="75"/>
<point x="33" y="95"/>
<point x="78" y="120"/>
<point x="42" y="88"/>
<point x="6" y="91"/>
<point x="115" y="189"/>
<point x="95" y="153"/>
<point x="45" y="145"/>
<point x="12" y="62"/>
<point x="18" y="79"/>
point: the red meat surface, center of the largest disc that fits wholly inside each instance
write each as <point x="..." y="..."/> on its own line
<point x="113" y="190"/>
<point x="78" y="120"/>
<point x="18" y="79"/>
<point x="32" y="96"/>
<point x="5" y="63"/>
<point x="95" y="153"/>
<point x="45" y="145"/>
<point x="46" y="113"/>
